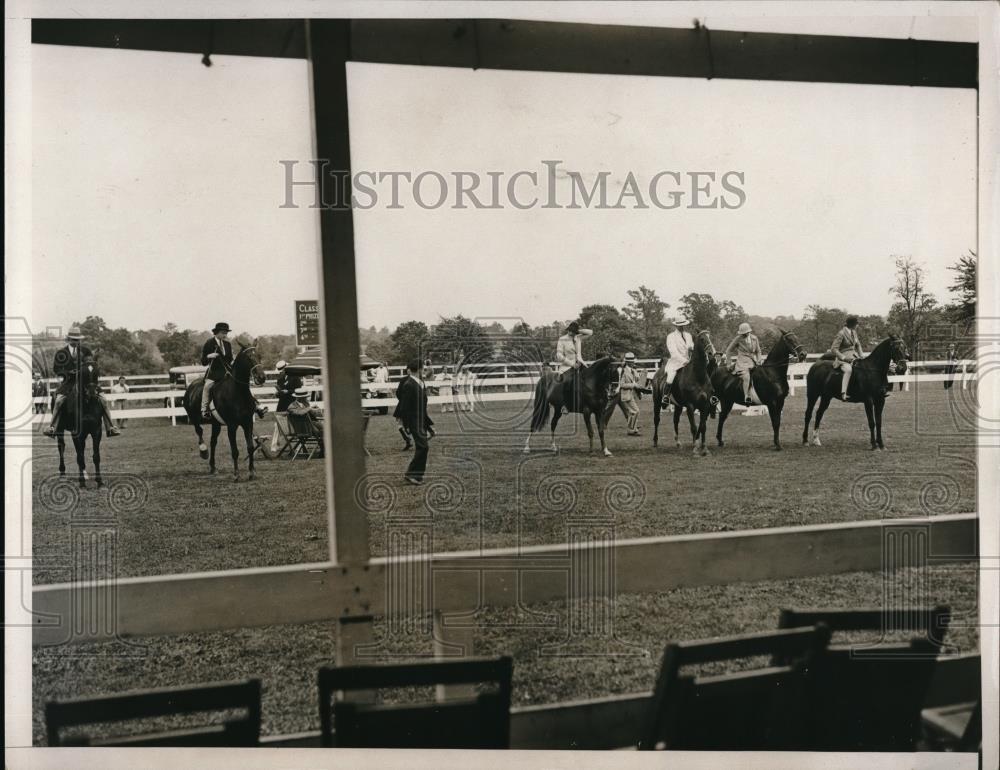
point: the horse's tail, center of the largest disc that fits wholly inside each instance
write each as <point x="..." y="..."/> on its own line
<point x="540" y="411"/>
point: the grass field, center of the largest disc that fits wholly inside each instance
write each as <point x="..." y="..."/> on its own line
<point x="484" y="492"/>
<point x="173" y="517"/>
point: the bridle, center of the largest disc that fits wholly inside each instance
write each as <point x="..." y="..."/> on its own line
<point x="253" y="369"/>
<point x="796" y="350"/>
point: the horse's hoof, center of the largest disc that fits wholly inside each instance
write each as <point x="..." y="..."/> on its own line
<point x="816" y="442"/>
<point x="607" y="453"/>
<point x="720" y="444"/>
<point x="204" y="454"/>
<point x="236" y="479"/>
<point x="211" y="471"/>
<point x="705" y="453"/>
<point x="100" y="483"/>
<point x="777" y="448"/>
<point x="252" y="476"/>
<point x="526" y="451"/>
<point x="555" y="449"/>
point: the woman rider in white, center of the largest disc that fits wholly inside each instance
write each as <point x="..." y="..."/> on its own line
<point x="569" y="356"/>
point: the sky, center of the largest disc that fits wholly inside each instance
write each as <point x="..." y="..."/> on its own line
<point x="157" y="190"/>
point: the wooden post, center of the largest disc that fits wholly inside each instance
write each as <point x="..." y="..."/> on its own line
<point x="328" y="44"/>
<point x="506" y="387"/>
<point x="173" y="415"/>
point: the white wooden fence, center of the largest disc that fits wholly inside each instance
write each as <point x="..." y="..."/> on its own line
<point x="489" y="382"/>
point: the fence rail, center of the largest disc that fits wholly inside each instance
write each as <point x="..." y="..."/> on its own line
<point x="482" y="387"/>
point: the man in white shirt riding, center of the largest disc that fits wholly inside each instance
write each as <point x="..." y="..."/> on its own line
<point x="569" y="357"/>
<point x="680" y="345"/>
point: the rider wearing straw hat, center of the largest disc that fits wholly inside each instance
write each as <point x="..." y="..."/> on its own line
<point x="68" y="362"/>
<point x="746" y="347"/>
<point x="680" y="345"/>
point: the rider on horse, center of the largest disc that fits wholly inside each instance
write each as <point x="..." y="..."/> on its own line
<point x="217" y="355"/>
<point x="846" y="349"/>
<point x="680" y="344"/>
<point x="746" y="347"/>
<point x="68" y="363"/>
<point x="569" y="356"/>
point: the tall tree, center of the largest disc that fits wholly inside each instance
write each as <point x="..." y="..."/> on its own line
<point x="179" y="348"/>
<point x="409" y="341"/>
<point x="915" y="308"/>
<point x="612" y="332"/>
<point x="963" y="310"/>
<point x="646" y="314"/>
<point x="722" y="319"/>
<point x="118" y="350"/>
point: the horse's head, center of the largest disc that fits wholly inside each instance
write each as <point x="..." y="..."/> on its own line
<point x="89" y="382"/>
<point x="792" y="345"/>
<point x="247" y="364"/>
<point x="900" y="355"/>
<point x="703" y="344"/>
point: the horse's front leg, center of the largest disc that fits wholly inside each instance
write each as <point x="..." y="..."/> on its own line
<point x="97" y="458"/>
<point x="774" y="410"/>
<point x="723" y="414"/>
<point x="879" y="406"/>
<point x="61" y="443"/>
<point x="234" y="450"/>
<point x="80" y="444"/>
<point x="870" y="414"/>
<point x="703" y="430"/>
<point x="601" y="425"/>
<point x="248" y="435"/>
<point x="656" y="417"/>
<point x="677" y="426"/>
<point x="694" y="429"/>
<point x="216" y="429"/>
<point x="590" y="428"/>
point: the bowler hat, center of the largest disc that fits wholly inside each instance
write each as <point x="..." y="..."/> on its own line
<point x="222" y="326"/>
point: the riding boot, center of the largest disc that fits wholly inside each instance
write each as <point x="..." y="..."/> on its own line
<point x="109" y="426"/>
<point x="206" y="394"/>
<point x="56" y="414"/>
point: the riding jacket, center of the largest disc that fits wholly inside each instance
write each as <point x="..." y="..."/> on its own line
<point x="216" y="366"/>
<point x="846" y="345"/>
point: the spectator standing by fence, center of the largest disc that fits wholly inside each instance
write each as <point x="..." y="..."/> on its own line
<point x="952" y="366"/>
<point x="118" y="389"/>
<point x="40" y="389"/>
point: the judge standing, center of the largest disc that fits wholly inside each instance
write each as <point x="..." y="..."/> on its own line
<point x="411" y="411"/>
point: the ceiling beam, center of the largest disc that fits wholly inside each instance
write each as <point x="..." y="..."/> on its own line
<point x="554" y="47"/>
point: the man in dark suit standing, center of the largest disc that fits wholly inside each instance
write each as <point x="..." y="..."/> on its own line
<point x="217" y="355"/>
<point x="412" y="412"/>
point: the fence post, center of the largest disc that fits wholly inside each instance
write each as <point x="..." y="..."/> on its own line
<point x="965" y="383"/>
<point x="173" y="415"/>
<point x="506" y="387"/>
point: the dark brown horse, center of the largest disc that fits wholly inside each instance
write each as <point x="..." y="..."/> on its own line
<point x="770" y="383"/>
<point x="234" y="407"/>
<point x="590" y="398"/>
<point x="867" y="386"/>
<point x="81" y="417"/>
<point x="691" y="389"/>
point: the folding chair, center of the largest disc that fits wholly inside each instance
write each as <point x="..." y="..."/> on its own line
<point x="482" y="722"/>
<point x="870" y="698"/>
<point x="760" y="709"/>
<point x="145" y="704"/>
<point x="304" y="436"/>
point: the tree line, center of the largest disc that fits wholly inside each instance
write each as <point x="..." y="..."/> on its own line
<point x="640" y="326"/>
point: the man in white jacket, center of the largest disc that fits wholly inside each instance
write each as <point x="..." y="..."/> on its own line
<point x="680" y="344"/>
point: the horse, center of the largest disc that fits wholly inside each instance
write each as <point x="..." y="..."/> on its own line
<point x="691" y="389"/>
<point x="82" y="415"/>
<point x="867" y="386"/>
<point x="592" y="396"/>
<point x="234" y="407"/>
<point x="770" y="383"/>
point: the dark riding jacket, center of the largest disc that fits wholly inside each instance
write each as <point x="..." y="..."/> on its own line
<point x="216" y="367"/>
<point x="411" y="409"/>
<point x="68" y="366"/>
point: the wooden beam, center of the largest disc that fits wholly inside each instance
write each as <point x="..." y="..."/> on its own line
<point x="557" y="47"/>
<point x="329" y="50"/>
<point x="212" y="601"/>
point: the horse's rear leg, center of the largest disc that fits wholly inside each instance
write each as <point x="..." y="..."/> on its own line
<point x="202" y="449"/>
<point x="556" y="414"/>
<point x="677" y="426"/>
<point x="694" y="429"/>
<point x="810" y="403"/>
<point x="590" y="429"/>
<point x="723" y="414"/>
<point x="823" y="404"/>
<point x="703" y="431"/>
<point x="656" y="418"/>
